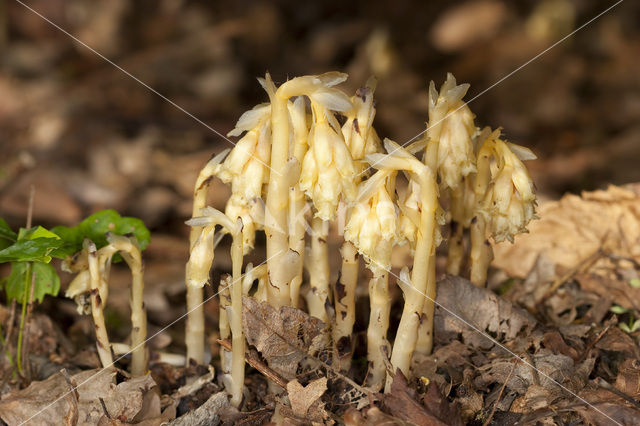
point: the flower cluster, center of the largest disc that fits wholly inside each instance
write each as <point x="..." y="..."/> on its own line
<point x="509" y="203"/>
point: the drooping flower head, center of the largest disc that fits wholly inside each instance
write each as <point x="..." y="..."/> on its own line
<point x="451" y="127"/>
<point x="328" y="171"/>
<point x="372" y="224"/>
<point x="359" y="134"/>
<point x="246" y="168"/>
<point x="509" y="203"/>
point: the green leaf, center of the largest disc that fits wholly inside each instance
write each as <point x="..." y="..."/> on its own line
<point x="46" y="281"/>
<point x="624" y="327"/>
<point x="7" y="236"/>
<point x="616" y="309"/>
<point x="135" y="226"/>
<point x="634" y="282"/>
<point x="635" y="326"/>
<point x="35" y="232"/>
<point x="36" y="250"/>
<point x="95" y="228"/>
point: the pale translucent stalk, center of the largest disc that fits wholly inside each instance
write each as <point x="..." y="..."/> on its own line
<point x="104" y="348"/>
<point x="131" y="255"/>
<point x="297" y="223"/>
<point x="194" y="327"/>
<point x="378" y="347"/>
<point x="319" y="270"/>
<point x="345" y="306"/>
<point x="276" y="224"/>
<point x="424" y="345"/>
<point x="481" y="251"/>
<point x="195" y="333"/>
<point x="422" y="280"/>
<point x="224" y="296"/>
<point x="456" y="245"/>
<point x="237" y="364"/>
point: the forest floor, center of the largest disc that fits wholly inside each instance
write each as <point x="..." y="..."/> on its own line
<point x="564" y="298"/>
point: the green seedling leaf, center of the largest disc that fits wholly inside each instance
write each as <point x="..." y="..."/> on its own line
<point x="7" y="236"/>
<point x="35" y="232"/>
<point x="635" y="326"/>
<point x="624" y="327"/>
<point x="36" y="250"/>
<point x="45" y="276"/>
<point x="95" y="228"/>
<point x="616" y="309"/>
<point x="634" y="282"/>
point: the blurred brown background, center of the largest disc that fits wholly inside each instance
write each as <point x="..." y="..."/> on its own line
<point x="89" y="137"/>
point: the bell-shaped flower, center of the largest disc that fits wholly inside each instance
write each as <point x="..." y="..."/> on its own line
<point x="246" y="166"/>
<point x="328" y="171"/>
<point x="359" y="134"/>
<point x="372" y="224"/>
<point x="451" y="126"/>
<point x="247" y="169"/>
<point x="509" y="204"/>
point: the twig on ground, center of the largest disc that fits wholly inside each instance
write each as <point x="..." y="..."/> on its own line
<point x="495" y="404"/>
<point x="256" y="363"/>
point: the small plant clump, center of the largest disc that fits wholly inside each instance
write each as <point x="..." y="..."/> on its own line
<point x="309" y="160"/>
<point x="87" y="250"/>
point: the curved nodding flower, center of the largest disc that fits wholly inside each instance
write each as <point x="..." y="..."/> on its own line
<point x="359" y="134"/>
<point x="246" y="168"/>
<point x="372" y="224"/>
<point x="509" y="203"/>
<point x="328" y="170"/>
<point x="409" y="220"/>
<point x="451" y="126"/>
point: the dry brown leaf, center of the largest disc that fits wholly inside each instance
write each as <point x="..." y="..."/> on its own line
<point x="303" y="397"/>
<point x="284" y="337"/>
<point x="572" y="230"/>
<point x="401" y="403"/>
<point x="122" y="401"/>
<point x="628" y="379"/>
<point x="458" y="298"/>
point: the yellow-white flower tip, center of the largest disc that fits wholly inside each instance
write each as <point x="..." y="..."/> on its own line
<point x="372" y="224"/>
<point x="246" y="166"/>
<point x="251" y="119"/>
<point x="404" y="280"/>
<point x="328" y="172"/>
<point x="252" y="218"/>
<point x="451" y="125"/>
<point x="201" y="258"/>
<point x="89" y="246"/>
<point x="510" y="202"/>
<point x="79" y="285"/>
<point x="331" y="99"/>
<point x="330" y="79"/>
<point x="357" y="130"/>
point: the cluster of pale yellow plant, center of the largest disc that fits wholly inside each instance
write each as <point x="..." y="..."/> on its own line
<point x="312" y="155"/>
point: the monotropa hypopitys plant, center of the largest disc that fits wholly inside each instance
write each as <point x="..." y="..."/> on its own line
<point x="296" y="173"/>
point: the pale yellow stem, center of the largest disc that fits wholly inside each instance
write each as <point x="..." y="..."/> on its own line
<point x="345" y="306"/>
<point x="238" y="343"/>
<point x="481" y="252"/>
<point x="194" y="332"/>
<point x="224" y="295"/>
<point x="378" y="348"/>
<point x="297" y="224"/>
<point x="456" y="245"/>
<point x="102" y="339"/>
<point x="424" y="345"/>
<point x="421" y="277"/>
<point x="319" y="270"/>
<point x="276" y="225"/>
